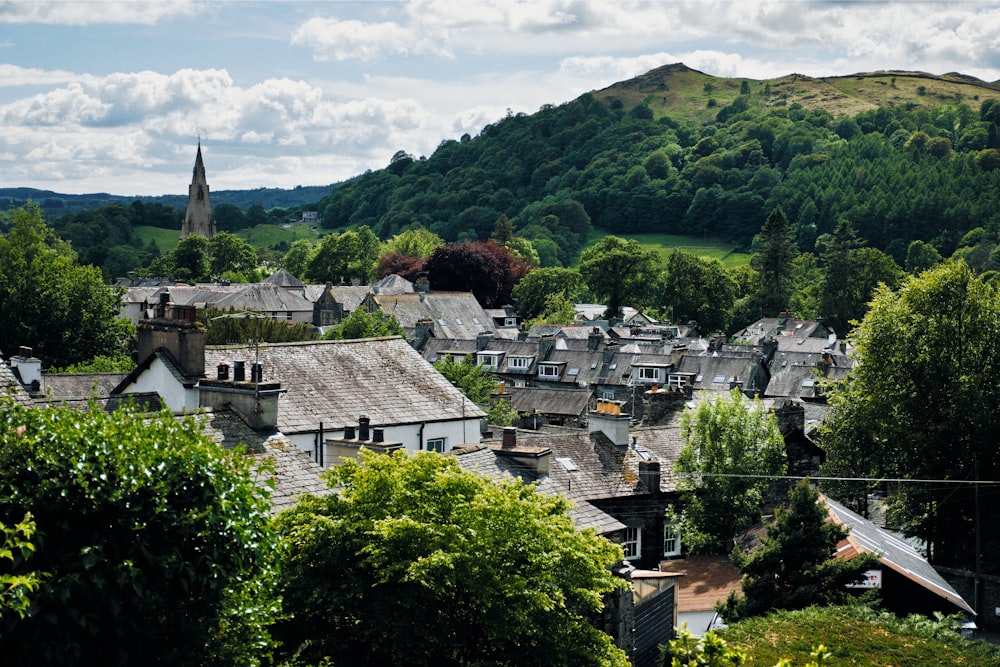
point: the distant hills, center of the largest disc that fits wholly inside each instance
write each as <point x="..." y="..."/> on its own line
<point x="58" y="204"/>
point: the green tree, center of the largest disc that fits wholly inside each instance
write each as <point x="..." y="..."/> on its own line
<point x="156" y="542"/>
<point x="297" y="258"/>
<point x="797" y="565"/>
<point x="363" y="324"/>
<point x="558" y="310"/>
<point x="340" y="258"/>
<point x="619" y="271"/>
<point x="62" y="310"/>
<point x="712" y="651"/>
<point x="921" y="256"/>
<point x="414" y="242"/>
<point x="920" y="403"/>
<point x="190" y="258"/>
<point x="534" y="289"/>
<point x="476" y="382"/>
<point x="457" y="570"/>
<point x="230" y="254"/>
<point x="732" y="447"/>
<point x="228" y="218"/>
<point x="773" y="260"/>
<point x="696" y="288"/>
<point x="17" y="584"/>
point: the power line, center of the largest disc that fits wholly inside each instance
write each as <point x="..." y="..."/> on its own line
<point x="876" y="480"/>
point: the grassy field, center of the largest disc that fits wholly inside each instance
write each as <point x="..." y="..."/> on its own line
<point x="166" y="239"/>
<point x="664" y="243"/>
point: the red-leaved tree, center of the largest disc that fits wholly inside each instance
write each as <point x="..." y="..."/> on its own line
<point x="484" y="268"/>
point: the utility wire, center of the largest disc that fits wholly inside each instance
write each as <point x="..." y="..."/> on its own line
<point x="876" y="480"/>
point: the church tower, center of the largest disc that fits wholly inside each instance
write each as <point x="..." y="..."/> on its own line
<point x="198" y="217"/>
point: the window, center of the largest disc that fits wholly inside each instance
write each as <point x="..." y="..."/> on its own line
<point x="510" y="321"/>
<point x="608" y="394"/>
<point x="520" y="363"/>
<point x="435" y="445"/>
<point x="288" y="315"/>
<point x="649" y="373"/>
<point x="671" y="540"/>
<point x="548" y="371"/>
<point x="632" y="544"/>
<point x="489" y="359"/>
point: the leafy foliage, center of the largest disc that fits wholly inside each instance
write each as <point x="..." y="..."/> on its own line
<point x="16" y="584"/>
<point x="920" y="404"/>
<point x="363" y="324"/>
<point x="155" y="541"/>
<point x="619" y="271"/>
<point x="534" y="289"/>
<point x="712" y="650"/>
<point x="48" y="302"/>
<point x="475" y="381"/>
<point x="796" y="566"/>
<point x="857" y="636"/>
<point x="697" y="289"/>
<point x="731" y="446"/>
<point x="486" y="269"/>
<point x="456" y="569"/>
<point x="240" y="327"/>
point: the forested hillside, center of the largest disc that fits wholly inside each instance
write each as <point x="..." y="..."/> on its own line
<point x="902" y="155"/>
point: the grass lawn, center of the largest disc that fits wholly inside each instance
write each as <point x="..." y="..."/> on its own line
<point x="268" y="236"/>
<point x="166" y="239"/>
<point x="664" y="243"/>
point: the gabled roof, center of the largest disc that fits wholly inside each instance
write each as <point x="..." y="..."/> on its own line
<point x="336" y="381"/>
<point x="265" y="298"/>
<point x="714" y="372"/>
<point x="162" y="356"/>
<point x="348" y="296"/>
<point x="455" y="314"/>
<point x="393" y="284"/>
<point x="800" y="380"/>
<point x="785" y="326"/>
<point x="483" y="461"/>
<point x="892" y="552"/>
<point x="283" y="278"/>
<point x="76" y="386"/>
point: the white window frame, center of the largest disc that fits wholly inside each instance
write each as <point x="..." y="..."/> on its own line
<point x="489" y="359"/>
<point x="548" y="371"/>
<point x="519" y="363"/>
<point x="435" y="445"/>
<point x="510" y="321"/>
<point x="632" y="542"/>
<point x="671" y="539"/>
<point x="608" y="394"/>
<point x="647" y="373"/>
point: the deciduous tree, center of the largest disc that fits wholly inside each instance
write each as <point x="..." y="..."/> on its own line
<point x="363" y="324"/>
<point x="415" y="561"/>
<point x="154" y="540"/>
<point x="618" y="271"/>
<point x="921" y="403"/>
<point x="486" y="269"/>
<point x="534" y="288"/>
<point x="732" y="447"/>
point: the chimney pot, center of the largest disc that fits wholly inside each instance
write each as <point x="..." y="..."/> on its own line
<point x="24" y="351"/>
<point x="378" y="435"/>
<point x="509" y="437"/>
<point x="349" y="433"/>
<point x="363" y="423"/>
<point x="239" y="371"/>
<point x="256" y="372"/>
<point x="223" y="371"/>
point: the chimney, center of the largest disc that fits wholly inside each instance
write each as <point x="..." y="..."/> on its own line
<point x="28" y="368"/>
<point x="183" y="339"/>
<point x="609" y="351"/>
<point x="223" y="371"/>
<point x="509" y="437"/>
<point x="363" y="422"/>
<point x="378" y="435"/>
<point x="422" y="286"/>
<point x="239" y="371"/>
<point x="161" y="306"/>
<point x="649" y="475"/>
<point x="256" y="372"/>
<point x="483" y="339"/>
<point x="607" y="418"/>
<point x="595" y="339"/>
<point x="349" y="433"/>
<point x="545" y="346"/>
<point x="257" y="405"/>
<point x="791" y="416"/>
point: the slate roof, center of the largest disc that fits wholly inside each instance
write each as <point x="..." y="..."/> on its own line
<point x="75" y="386"/>
<point x="9" y="385"/>
<point x="455" y="314"/>
<point x="392" y="284"/>
<point x="286" y="472"/>
<point x="284" y="279"/>
<point x="892" y="552"/>
<point x="800" y="380"/>
<point x="563" y="402"/>
<point x="265" y="298"/>
<point x="714" y="371"/>
<point x="483" y="461"/>
<point x="785" y="326"/>
<point x="336" y="381"/>
<point x="348" y="296"/>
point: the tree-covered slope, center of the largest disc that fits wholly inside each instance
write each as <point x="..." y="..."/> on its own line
<point x="904" y="155"/>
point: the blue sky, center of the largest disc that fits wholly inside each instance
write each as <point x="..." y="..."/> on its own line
<point x="111" y="96"/>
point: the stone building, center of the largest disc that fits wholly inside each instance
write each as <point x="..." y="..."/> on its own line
<point x="198" y="217"/>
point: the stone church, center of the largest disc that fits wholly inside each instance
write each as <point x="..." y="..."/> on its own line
<point x="198" y="217"/>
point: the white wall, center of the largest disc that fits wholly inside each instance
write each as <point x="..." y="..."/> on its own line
<point x="158" y="379"/>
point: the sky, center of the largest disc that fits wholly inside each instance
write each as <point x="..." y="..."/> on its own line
<point x="113" y="96"/>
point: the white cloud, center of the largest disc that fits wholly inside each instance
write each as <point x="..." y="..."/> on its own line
<point x="14" y="75"/>
<point x="355" y="40"/>
<point x="83" y="12"/>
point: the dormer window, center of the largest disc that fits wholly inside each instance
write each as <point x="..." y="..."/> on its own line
<point x="489" y="360"/>
<point x="649" y="374"/>
<point x="510" y="321"/>
<point x="550" y="371"/>
<point x="518" y="363"/>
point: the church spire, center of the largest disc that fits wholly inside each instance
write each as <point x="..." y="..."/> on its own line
<point x="198" y="217"/>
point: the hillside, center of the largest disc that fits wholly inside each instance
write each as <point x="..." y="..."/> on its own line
<point x="680" y="92"/>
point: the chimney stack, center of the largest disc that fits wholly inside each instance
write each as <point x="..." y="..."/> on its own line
<point x="649" y="475"/>
<point x="509" y="437"/>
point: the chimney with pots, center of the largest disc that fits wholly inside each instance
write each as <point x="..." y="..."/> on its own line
<point x="175" y="330"/>
<point x="608" y="418"/>
<point x="534" y="458"/>
<point x="28" y="369"/>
